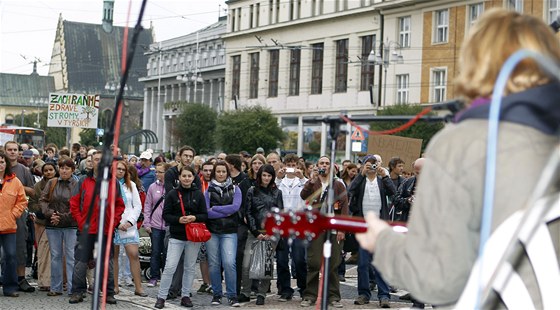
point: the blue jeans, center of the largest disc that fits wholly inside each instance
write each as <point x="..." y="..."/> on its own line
<point x="174" y="250"/>
<point x="9" y="259"/>
<point x="62" y="242"/>
<point x="364" y="263"/>
<point x="283" y="262"/>
<point x="221" y="250"/>
<point x="156" y="263"/>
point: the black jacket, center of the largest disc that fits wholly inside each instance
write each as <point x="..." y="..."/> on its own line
<point x="259" y="202"/>
<point x="194" y="203"/>
<point x="221" y="197"/>
<point x="171" y="179"/>
<point x="356" y="193"/>
<point x="400" y="201"/>
<point x="243" y="182"/>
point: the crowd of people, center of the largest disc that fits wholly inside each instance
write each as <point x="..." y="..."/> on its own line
<point x="230" y="193"/>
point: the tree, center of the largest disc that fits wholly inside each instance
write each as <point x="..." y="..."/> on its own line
<point x="88" y="137"/>
<point x="56" y="135"/>
<point x="248" y="129"/>
<point x="195" y="126"/>
<point x="420" y="130"/>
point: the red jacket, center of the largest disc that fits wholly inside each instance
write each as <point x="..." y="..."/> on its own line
<point x="80" y="204"/>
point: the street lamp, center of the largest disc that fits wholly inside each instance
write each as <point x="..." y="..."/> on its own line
<point x="22" y="114"/>
<point x="382" y="58"/>
<point x="192" y="76"/>
<point x="39" y="102"/>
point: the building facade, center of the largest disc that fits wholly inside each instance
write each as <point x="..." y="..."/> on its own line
<point x="318" y="57"/>
<point x="184" y="70"/>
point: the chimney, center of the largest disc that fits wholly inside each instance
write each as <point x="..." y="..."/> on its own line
<point x="108" y="7"/>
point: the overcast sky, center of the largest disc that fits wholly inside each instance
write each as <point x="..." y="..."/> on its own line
<point x="27" y="27"/>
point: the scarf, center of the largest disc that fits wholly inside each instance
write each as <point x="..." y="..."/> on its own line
<point x="121" y="182"/>
<point x="220" y="187"/>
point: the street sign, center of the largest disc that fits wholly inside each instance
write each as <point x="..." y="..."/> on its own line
<point x="358" y="135"/>
<point x="99" y="132"/>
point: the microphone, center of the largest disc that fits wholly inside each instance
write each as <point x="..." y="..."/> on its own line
<point x="454" y="105"/>
<point x="556" y="24"/>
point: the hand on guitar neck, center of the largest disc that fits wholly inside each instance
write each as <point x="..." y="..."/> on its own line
<point x="310" y="224"/>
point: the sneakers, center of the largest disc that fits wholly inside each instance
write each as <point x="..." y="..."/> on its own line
<point x="361" y="300"/>
<point x="76" y="298"/>
<point x="234" y="303"/>
<point x="186" y="302"/>
<point x="384" y="303"/>
<point x="336" y="304"/>
<point x="243" y="298"/>
<point x="216" y="300"/>
<point x="285" y="297"/>
<point x="306" y="303"/>
<point x="202" y="289"/>
<point x="260" y="300"/>
<point x="111" y="299"/>
<point x="152" y="283"/>
<point x="24" y="286"/>
<point x="160" y="303"/>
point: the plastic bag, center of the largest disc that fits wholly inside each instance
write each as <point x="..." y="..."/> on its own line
<point x="262" y="264"/>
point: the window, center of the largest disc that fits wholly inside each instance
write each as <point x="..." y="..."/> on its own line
<point x="368" y="68"/>
<point x="273" y="73"/>
<point x="341" y="74"/>
<point x="251" y="13"/>
<point x="553" y="10"/>
<point x="475" y="10"/>
<point x="295" y="63"/>
<point x="516" y="5"/>
<point x="317" y="69"/>
<point x="402" y="88"/>
<point x="404" y="31"/>
<point x="441" y="24"/>
<point x="439" y="81"/>
<point x="232" y="18"/>
<point x="254" y="76"/>
<point x="235" y="75"/>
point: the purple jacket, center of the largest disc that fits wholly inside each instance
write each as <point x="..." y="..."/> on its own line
<point x="155" y="220"/>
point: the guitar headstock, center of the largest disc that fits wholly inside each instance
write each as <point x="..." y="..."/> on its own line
<point x="308" y="224"/>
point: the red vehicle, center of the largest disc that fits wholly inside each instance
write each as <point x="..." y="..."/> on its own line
<point x="28" y="135"/>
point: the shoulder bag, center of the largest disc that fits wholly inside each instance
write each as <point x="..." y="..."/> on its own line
<point x="195" y="231"/>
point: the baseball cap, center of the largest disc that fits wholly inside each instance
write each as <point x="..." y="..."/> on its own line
<point x="260" y="150"/>
<point x="35" y="152"/>
<point x="27" y="154"/>
<point x="244" y="154"/>
<point x="146" y="155"/>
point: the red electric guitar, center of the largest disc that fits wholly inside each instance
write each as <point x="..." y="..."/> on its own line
<point x="311" y="223"/>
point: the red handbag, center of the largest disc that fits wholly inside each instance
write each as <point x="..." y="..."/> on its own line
<point x="196" y="232"/>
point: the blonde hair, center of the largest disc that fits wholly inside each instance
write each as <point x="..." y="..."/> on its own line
<point x="493" y="39"/>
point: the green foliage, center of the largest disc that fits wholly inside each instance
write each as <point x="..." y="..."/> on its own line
<point x="420" y="130"/>
<point x="247" y="129"/>
<point x="88" y="137"/>
<point x="54" y="135"/>
<point x="195" y="126"/>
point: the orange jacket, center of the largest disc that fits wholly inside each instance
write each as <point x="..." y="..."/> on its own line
<point x="12" y="204"/>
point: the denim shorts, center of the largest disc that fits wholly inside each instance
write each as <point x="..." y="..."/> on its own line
<point x="122" y="241"/>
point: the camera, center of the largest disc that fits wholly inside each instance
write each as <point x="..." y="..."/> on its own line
<point x="321" y="171"/>
<point x="374" y="166"/>
<point x="290" y="170"/>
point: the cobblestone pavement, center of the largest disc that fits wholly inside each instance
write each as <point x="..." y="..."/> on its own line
<point x="127" y="299"/>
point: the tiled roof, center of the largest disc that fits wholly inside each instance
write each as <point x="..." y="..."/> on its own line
<point x="21" y="90"/>
<point x="93" y="57"/>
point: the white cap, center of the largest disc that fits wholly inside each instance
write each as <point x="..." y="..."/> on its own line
<point x="35" y="151"/>
<point x="146" y="155"/>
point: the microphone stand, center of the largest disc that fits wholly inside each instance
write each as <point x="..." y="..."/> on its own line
<point x="103" y="172"/>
